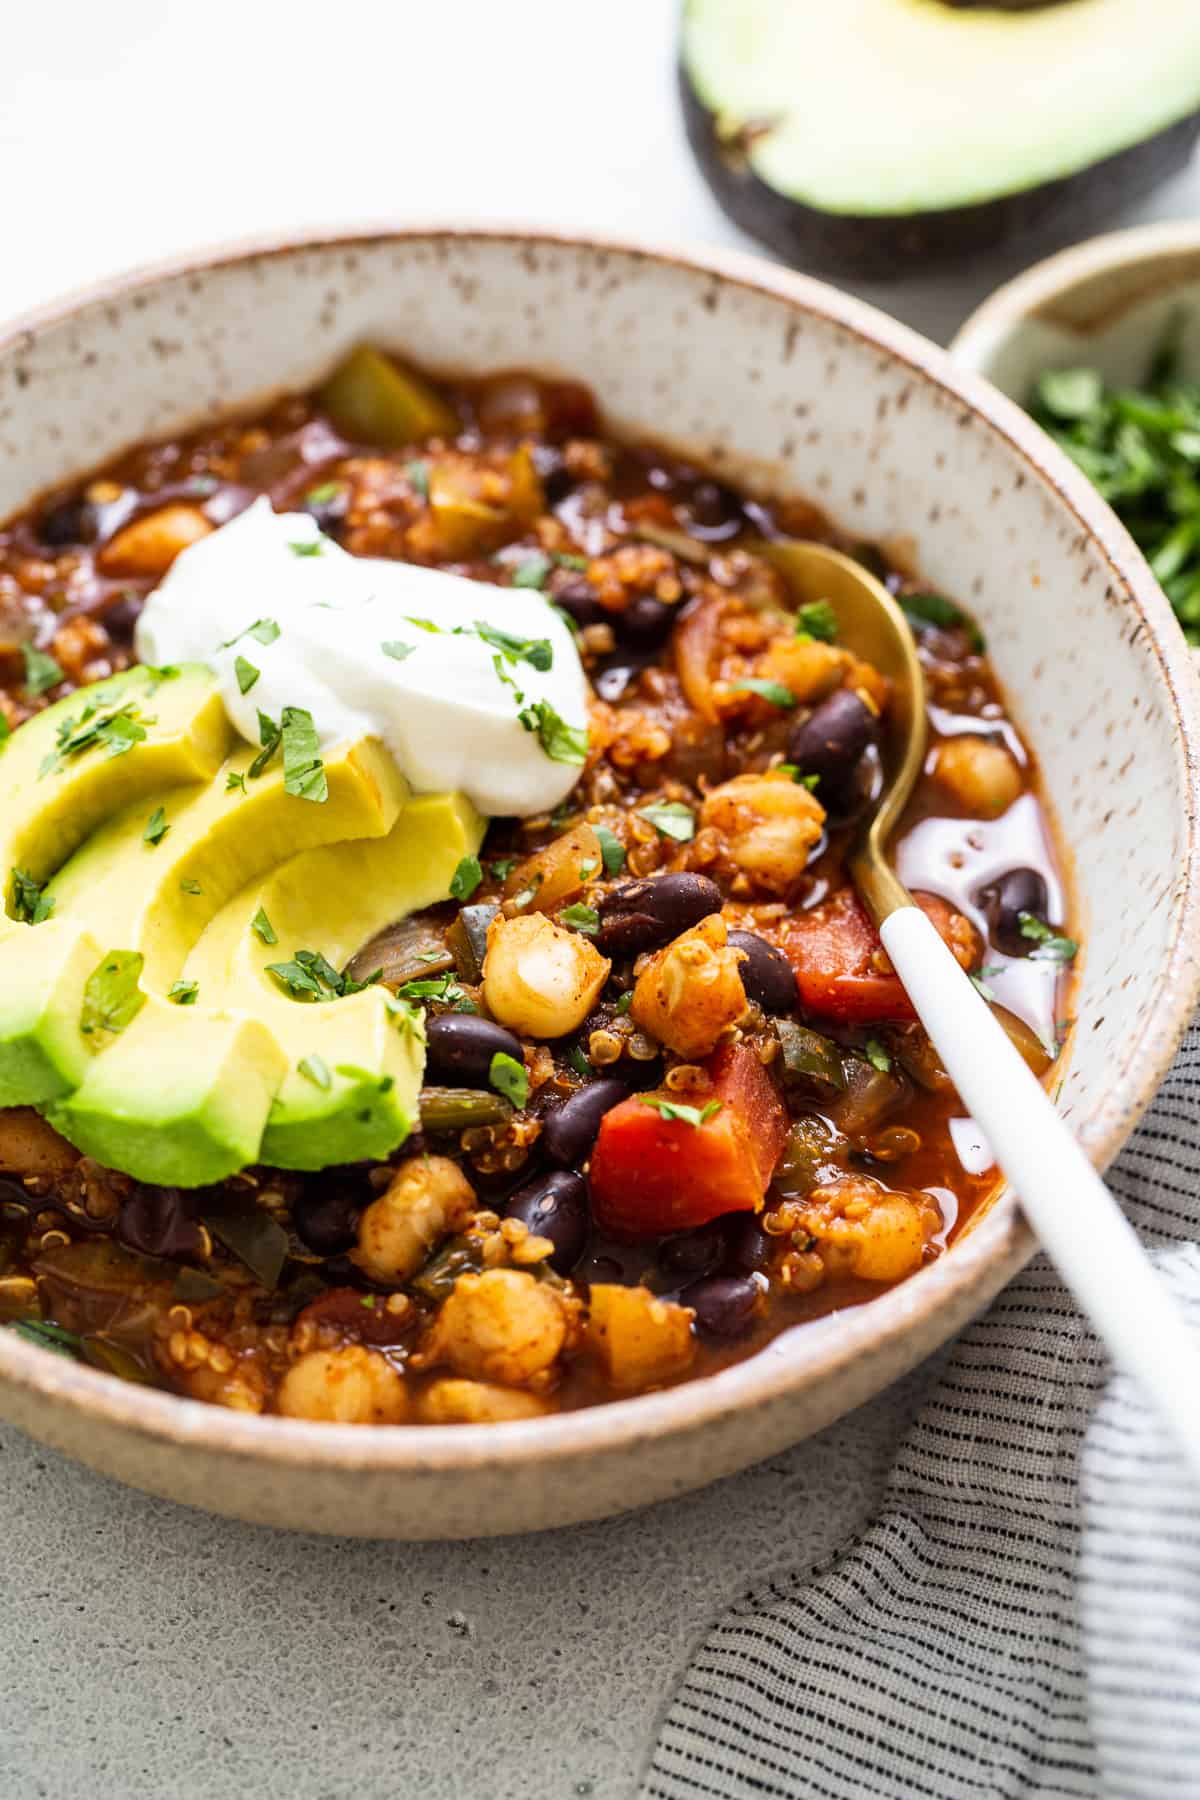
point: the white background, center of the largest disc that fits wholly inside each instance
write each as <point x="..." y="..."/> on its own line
<point x="145" y="1652"/>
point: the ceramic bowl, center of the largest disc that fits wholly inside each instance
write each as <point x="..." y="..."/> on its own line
<point x="1104" y="302"/>
<point x="781" y="382"/>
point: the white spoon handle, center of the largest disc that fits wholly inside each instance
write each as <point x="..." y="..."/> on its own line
<point x="1091" y="1242"/>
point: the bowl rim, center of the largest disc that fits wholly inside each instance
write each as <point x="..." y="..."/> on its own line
<point x="986" y="1256"/>
<point x="1007" y="307"/>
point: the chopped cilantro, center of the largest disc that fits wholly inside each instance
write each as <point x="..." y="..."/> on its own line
<point x="580" y="1063"/>
<point x="936" y="610"/>
<point x="509" y="1078"/>
<point x="418" y="478"/>
<point x="611" y="849"/>
<point x="532" y="572"/>
<point x="567" y="560"/>
<point x="262" y="927"/>
<point x="396" y="649"/>
<point x="502" y="867"/>
<point x="235" y="783"/>
<point x="316" y="1069"/>
<point x="676" y="1109"/>
<point x="587" y="868"/>
<point x="322" y="495"/>
<point x="270" y="737"/>
<point x="303" y="770"/>
<point x="671" y="819"/>
<point x="263" y="631"/>
<point x="466" y="878"/>
<point x="877" y="1056"/>
<point x="26" y="899"/>
<point x="562" y="742"/>
<point x="1050" y="946"/>
<point x="118" y="729"/>
<point x="774" y="691"/>
<point x="183" y="993"/>
<point x="112" y="998"/>
<point x="981" y="987"/>
<point x="307" y="547"/>
<point x="41" y="671"/>
<point x="583" y="918"/>
<point x="537" y="652"/>
<point x="5" y="727"/>
<point x="522" y="899"/>
<point x="156" y="827"/>
<point x="190" y="886"/>
<point x="624" y="1003"/>
<point x="431" y="987"/>
<point x="246" y="674"/>
<point x="48" y="1336"/>
<point x="817" y="620"/>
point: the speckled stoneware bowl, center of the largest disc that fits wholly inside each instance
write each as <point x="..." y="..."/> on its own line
<point x="779" y="381"/>
<point x="1103" y="302"/>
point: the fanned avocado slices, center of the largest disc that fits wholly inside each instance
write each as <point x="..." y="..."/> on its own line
<point x="875" y="138"/>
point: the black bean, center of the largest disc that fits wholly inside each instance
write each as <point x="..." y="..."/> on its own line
<point x="749" y="1248"/>
<point x="1015" y="892"/>
<point x="569" y="1132"/>
<point x="645" y="621"/>
<point x="459" y="1048"/>
<point x="767" y="975"/>
<point x="725" y="1305"/>
<point x="160" y="1221"/>
<point x="69" y="522"/>
<point x="641" y="915"/>
<point x="579" y="599"/>
<point x="326" y="1218"/>
<point x="831" y="740"/>
<point x="329" y="511"/>
<point x="691" y="1254"/>
<point x="555" y="1206"/>
<point x="716" y="511"/>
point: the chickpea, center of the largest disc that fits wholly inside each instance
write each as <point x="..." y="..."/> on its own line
<point x="350" y="1386"/>
<point x="639" y="1340"/>
<point x="770" y="823"/>
<point x="691" y="991"/>
<point x="454" y="1402"/>
<point x="980" y="775"/>
<point x="807" y="668"/>
<point x="862" y="1229"/>
<point x="427" y="1198"/>
<point x="502" y="1326"/>
<point x="540" y="979"/>
<point x="150" y="545"/>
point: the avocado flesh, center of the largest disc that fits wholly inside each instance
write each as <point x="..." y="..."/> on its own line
<point x="333" y="900"/>
<point x="187" y="1096"/>
<point x="48" y="815"/>
<point x="876" y="135"/>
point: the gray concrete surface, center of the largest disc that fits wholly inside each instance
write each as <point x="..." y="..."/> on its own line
<point x="151" y="1653"/>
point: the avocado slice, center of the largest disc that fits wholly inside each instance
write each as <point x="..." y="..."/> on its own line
<point x="82" y="759"/>
<point x="874" y="138"/>
<point x="188" y="1094"/>
<point x="355" y="1064"/>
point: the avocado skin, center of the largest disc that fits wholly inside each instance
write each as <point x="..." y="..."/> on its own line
<point x="882" y="247"/>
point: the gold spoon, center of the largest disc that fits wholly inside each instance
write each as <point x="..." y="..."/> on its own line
<point x="1079" y="1223"/>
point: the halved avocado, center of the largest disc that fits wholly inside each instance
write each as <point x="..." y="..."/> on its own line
<point x="877" y="138"/>
<point x="355" y="1064"/>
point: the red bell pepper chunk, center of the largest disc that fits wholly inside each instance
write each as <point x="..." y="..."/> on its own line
<point x="835" y="951"/>
<point x="651" y="1175"/>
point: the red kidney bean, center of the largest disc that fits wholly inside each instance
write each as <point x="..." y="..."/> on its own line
<point x="160" y="1221"/>
<point x="1004" y="900"/>
<point x="645" y="621"/>
<point x="569" y="1132"/>
<point x="459" y="1048"/>
<point x="642" y="915"/>
<point x="555" y="1206"/>
<point x="767" y="975"/>
<point x="725" y="1305"/>
<point x="326" y="1218"/>
<point x="830" y="742"/>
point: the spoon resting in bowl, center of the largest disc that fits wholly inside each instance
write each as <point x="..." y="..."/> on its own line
<point x="1080" y="1225"/>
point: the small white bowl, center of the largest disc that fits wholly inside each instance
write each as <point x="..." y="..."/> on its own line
<point x="1105" y="302"/>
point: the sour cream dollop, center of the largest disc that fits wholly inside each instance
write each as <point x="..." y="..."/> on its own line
<point x="286" y="618"/>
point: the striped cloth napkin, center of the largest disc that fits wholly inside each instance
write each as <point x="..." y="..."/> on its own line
<point x="1022" y="1620"/>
